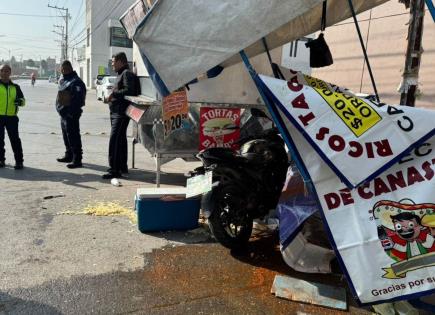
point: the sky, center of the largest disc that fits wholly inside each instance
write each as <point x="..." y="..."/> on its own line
<point x="26" y="27"/>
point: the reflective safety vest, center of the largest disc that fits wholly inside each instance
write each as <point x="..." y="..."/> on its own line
<point x="10" y="97"/>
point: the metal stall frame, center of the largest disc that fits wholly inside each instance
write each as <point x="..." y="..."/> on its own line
<point x="138" y="110"/>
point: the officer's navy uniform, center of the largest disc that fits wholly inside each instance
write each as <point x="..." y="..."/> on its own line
<point x="69" y="102"/>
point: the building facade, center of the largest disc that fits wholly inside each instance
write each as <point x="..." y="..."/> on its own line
<point x="104" y="38"/>
<point x="385" y="31"/>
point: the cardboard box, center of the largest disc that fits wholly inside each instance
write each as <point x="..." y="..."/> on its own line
<point x="162" y="209"/>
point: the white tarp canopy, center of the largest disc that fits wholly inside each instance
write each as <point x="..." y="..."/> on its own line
<point x="182" y="39"/>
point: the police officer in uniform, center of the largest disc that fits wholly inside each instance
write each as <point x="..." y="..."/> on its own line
<point x="11" y="98"/>
<point x="127" y="84"/>
<point x="69" y="102"/>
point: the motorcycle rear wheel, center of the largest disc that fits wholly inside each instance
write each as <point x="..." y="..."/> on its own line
<point x="229" y="221"/>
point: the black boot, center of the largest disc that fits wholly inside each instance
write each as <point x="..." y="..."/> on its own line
<point x="2" y="164"/>
<point x="75" y="164"/>
<point x="18" y="165"/>
<point x="65" y="159"/>
<point x="112" y="174"/>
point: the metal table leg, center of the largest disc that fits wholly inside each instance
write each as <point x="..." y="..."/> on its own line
<point x="133" y="152"/>
<point x="158" y="164"/>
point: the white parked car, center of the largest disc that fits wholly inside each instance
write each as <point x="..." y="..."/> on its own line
<point x="53" y="79"/>
<point x="104" y="88"/>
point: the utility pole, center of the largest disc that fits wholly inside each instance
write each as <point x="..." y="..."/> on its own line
<point x="409" y="84"/>
<point x="66" y="17"/>
<point x="62" y="41"/>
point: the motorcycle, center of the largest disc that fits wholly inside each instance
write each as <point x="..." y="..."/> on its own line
<point x="246" y="183"/>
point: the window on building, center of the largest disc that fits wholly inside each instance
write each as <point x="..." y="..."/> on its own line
<point x="119" y="38"/>
<point x="88" y="36"/>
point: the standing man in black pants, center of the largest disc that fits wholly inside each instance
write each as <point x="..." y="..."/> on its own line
<point x="127" y="84"/>
<point x="11" y="97"/>
<point x="70" y="100"/>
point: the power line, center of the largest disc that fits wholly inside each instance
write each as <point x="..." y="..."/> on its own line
<point x="66" y="17"/>
<point x="28" y="38"/>
<point x="31" y="46"/>
<point x="78" y="16"/>
<point x="101" y="23"/>
<point x="78" y="34"/>
<point x="375" y="18"/>
<point x="32" y="15"/>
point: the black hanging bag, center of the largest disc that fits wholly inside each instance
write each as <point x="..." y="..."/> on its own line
<point x="320" y="55"/>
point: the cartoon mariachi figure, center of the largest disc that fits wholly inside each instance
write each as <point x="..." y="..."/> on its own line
<point x="410" y="238"/>
<point x="404" y="228"/>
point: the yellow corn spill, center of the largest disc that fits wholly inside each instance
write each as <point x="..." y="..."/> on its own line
<point x="106" y="209"/>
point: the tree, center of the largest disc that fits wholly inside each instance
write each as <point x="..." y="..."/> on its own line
<point x="44" y="65"/>
<point x="30" y="63"/>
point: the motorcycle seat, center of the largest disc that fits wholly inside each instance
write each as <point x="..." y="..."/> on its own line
<point x="231" y="156"/>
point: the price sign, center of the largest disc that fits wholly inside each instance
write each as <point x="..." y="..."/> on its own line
<point x="175" y="111"/>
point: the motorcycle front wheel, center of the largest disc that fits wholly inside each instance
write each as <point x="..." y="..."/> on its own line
<point x="229" y="221"/>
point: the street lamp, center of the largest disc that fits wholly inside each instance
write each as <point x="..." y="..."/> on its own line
<point x="9" y="51"/>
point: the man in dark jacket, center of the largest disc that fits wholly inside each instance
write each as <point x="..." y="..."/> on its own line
<point x="11" y="97"/>
<point x="69" y="102"/>
<point x="126" y="84"/>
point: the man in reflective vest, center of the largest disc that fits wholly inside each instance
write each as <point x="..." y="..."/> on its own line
<point x="11" y="98"/>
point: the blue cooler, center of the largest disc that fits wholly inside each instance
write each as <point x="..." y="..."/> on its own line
<point x="160" y="209"/>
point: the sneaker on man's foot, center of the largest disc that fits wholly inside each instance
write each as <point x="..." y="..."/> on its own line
<point x="2" y="164"/>
<point x="18" y="166"/>
<point x="111" y="175"/>
<point x="65" y="159"/>
<point x="74" y="165"/>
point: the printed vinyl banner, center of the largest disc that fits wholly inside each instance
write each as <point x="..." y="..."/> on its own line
<point x="219" y="127"/>
<point x="383" y="230"/>
<point x="347" y="130"/>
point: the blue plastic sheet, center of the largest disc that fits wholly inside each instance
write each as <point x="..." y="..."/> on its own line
<point x="294" y="207"/>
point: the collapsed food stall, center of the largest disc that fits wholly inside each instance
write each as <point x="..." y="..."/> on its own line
<point x="175" y="55"/>
<point x="172" y="128"/>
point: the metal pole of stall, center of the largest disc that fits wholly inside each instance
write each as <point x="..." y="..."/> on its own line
<point x="363" y="49"/>
<point x="414" y="50"/>
<point x="431" y="8"/>
<point x="133" y="152"/>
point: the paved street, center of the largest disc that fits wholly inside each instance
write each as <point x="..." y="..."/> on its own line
<point x="37" y="244"/>
<point x="55" y="261"/>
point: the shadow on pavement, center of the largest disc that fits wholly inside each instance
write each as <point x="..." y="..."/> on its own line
<point x="37" y="174"/>
<point x="201" y="235"/>
<point x="147" y="176"/>
<point x="75" y="179"/>
<point x="13" y="305"/>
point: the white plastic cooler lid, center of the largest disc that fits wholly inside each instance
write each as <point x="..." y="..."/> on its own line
<point x="154" y="192"/>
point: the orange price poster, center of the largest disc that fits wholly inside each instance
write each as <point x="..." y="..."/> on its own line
<point x="175" y="110"/>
